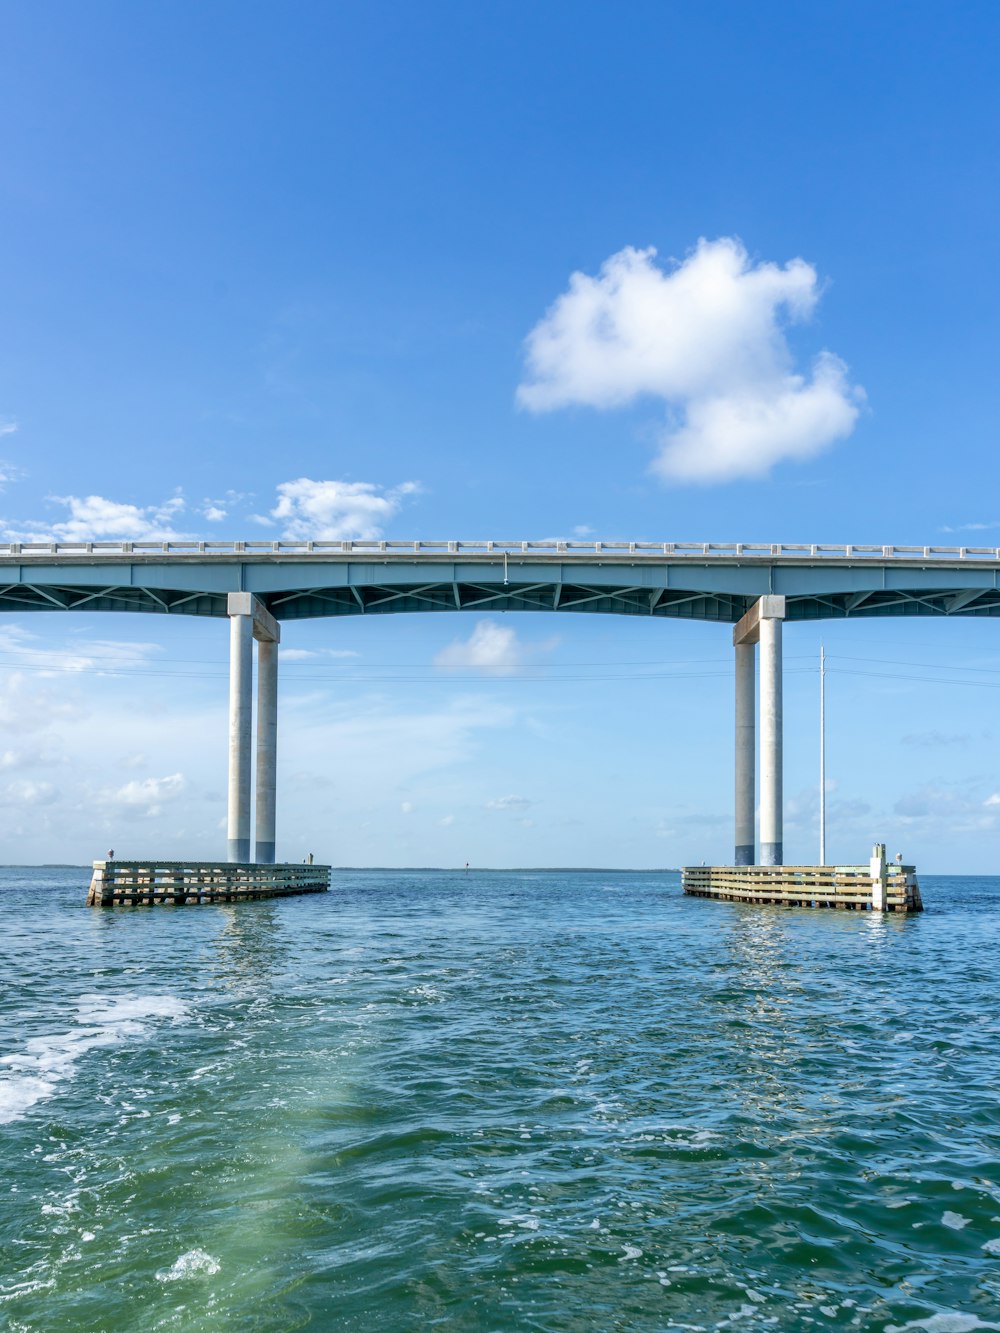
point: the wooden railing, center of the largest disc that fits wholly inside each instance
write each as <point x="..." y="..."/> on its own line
<point x="850" y="887"/>
<point x="140" y="883"/>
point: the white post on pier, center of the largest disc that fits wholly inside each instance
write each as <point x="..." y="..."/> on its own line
<point x="249" y="619"/>
<point x="879" y="872"/>
<point x="762" y="624"/>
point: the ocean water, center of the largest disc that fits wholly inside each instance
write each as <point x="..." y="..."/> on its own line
<point x="498" y="1101"/>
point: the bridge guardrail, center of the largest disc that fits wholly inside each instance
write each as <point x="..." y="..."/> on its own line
<point x="760" y="551"/>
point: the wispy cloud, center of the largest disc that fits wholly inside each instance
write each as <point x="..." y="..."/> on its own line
<point x="933" y="739"/>
<point x="315" y="654"/>
<point x="706" y="336"/>
<point x="21" y="648"/>
<point x="970" y="527"/>
<point x="509" y="803"/>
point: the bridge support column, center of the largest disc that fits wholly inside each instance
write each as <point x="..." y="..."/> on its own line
<point x="249" y="619"/>
<point x="772" y="850"/>
<point x="746" y="753"/>
<point x="762" y="623"/>
<point x="240" y="685"/>
<point x="267" y="738"/>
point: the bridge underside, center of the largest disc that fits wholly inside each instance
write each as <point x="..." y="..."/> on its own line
<point x="375" y="597"/>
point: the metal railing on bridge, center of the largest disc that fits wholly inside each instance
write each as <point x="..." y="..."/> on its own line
<point x="486" y="550"/>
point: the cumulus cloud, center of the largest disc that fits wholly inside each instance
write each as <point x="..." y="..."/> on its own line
<point x="96" y="518"/>
<point x="490" y="646"/>
<point x="26" y="791"/>
<point x="311" y="510"/>
<point x="146" y="794"/>
<point x="707" y="337"/>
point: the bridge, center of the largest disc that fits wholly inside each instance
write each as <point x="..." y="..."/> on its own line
<point x="257" y="585"/>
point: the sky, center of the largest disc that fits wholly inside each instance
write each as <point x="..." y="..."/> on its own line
<point x="651" y="271"/>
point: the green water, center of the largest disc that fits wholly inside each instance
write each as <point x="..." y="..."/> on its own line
<point x="498" y="1101"/>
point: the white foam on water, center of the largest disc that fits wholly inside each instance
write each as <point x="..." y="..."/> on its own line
<point x="35" y="1072"/>
<point x="192" y="1264"/>
<point x="954" y="1220"/>
<point x="948" y="1322"/>
<point x="992" y="1246"/>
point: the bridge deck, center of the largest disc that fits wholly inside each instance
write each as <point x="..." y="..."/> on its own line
<point x="697" y="581"/>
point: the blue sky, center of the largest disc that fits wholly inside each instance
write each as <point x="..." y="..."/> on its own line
<point x="330" y="249"/>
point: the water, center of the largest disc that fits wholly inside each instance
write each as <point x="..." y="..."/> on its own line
<point x="525" y="1101"/>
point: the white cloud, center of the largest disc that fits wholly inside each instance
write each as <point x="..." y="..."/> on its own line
<point x="705" y="336"/>
<point x="406" y="807"/>
<point x="25" y="791"/>
<point x="447" y="821"/>
<point x="8" y="428"/>
<point x="993" y="800"/>
<point x="509" y="803"/>
<point x="931" y="739"/>
<point x="9" y="471"/>
<point x="217" y="510"/>
<point x="490" y="646"/>
<point x="310" y="654"/>
<point x="95" y="518"/>
<point x="146" y="794"/>
<point x="335" y="510"/>
<point x="20" y="647"/>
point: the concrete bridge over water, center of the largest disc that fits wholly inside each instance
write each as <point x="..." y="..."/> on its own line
<point x="256" y="585"/>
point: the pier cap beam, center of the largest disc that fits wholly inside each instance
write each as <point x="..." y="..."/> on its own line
<point x="265" y="628"/>
<point x="769" y="607"/>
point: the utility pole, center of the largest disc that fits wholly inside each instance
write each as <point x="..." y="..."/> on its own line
<point x="822" y="755"/>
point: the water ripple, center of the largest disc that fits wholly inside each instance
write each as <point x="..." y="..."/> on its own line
<point x="561" y="1102"/>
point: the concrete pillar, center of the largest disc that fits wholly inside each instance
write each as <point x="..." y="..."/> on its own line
<point x="267" y="738"/>
<point x="240" y="706"/>
<point x="746" y="753"/>
<point x="771" y="848"/>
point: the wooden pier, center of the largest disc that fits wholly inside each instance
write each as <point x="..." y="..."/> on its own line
<point x="878" y="886"/>
<point x="180" y="883"/>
